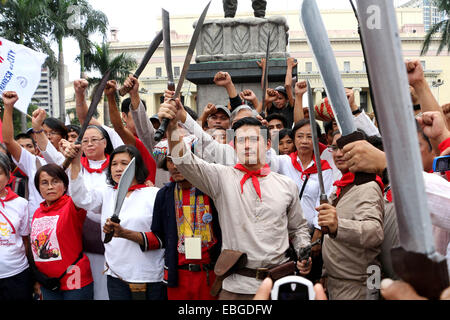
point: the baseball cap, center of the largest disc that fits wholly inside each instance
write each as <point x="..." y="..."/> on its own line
<point x="154" y="117"/>
<point x="224" y="109"/>
<point x="282" y="90"/>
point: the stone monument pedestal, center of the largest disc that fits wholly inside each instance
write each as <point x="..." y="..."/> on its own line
<point x="234" y="46"/>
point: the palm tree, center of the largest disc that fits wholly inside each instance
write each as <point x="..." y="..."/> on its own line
<point x="59" y="15"/>
<point x="442" y="27"/>
<point x="93" y="21"/>
<point x="101" y="60"/>
<point x="23" y="22"/>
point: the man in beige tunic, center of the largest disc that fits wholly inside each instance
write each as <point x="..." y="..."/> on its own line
<point x="259" y="210"/>
<point x="356" y="233"/>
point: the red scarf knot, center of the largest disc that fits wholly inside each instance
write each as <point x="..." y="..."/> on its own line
<point x="254" y="175"/>
<point x="85" y="164"/>
<point x="310" y="170"/>
<point x="348" y="178"/>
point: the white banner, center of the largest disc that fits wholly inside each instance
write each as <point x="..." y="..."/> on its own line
<point x="20" y="71"/>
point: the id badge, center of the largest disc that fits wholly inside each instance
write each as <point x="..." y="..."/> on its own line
<point x="193" y="248"/>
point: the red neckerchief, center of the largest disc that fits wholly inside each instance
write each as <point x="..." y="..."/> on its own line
<point x="389" y="195"/>
<point x="348" y="178"/>
<point x="85" y="164"/>
<point x="254" y="175"/>
<point x="135" y="187"/>
<point x="10" y="195"/>
<point x="57" y="205"/>
<point x="310" y="170"/>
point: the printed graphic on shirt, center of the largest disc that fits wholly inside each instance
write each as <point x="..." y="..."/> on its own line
<point x="44" y="241"/>
<point x="6" y="230"/>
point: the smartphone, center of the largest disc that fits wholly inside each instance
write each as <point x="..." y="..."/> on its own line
<point x="293" y="288"/>
<point x="441" y="164"/>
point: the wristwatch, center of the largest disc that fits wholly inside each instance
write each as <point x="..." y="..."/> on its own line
<point x="357" y="111"/>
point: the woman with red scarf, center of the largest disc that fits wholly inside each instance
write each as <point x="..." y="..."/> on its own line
<point x="96" y="147"/>
<point x="301" y="167"/>
<point x="56" y="233"/>
<point x="354" y="218"/>
<point x="133" y="271"/>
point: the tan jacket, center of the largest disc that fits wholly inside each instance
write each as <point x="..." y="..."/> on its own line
<point x="259" y="227"/>
<point x="359" y="236"/>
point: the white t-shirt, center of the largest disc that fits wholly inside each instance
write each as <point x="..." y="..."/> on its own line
<point x="14" y="224"/>
<point x="27" y="163"/>
<point x="124" y="257"/>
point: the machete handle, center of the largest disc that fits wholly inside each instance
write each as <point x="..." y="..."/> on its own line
<point x="67" y="163"/>
<point x="161" y="130"/>
<point x="124" y="90"/>
<point x="109" y="236"/>
<point x="324" y="199"/>
<point x="170" y="86"/>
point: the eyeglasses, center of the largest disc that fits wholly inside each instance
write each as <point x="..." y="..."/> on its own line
<point x="251" y="139"/>
<point x="333" y="148"/>
<point x="52" y="133"/>
<point x="93" y="141"/>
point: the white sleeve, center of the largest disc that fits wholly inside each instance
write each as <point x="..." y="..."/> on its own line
<point x="89" y="200"/>
<point x="25" y="227"/>
<point x="363" y="122"/>
<point x="207" y="148"/>
<point x="113" y="136"/>
<point x="26" y="163"/>
<point x="51" y="155"/>
<point x="438" y="195"/>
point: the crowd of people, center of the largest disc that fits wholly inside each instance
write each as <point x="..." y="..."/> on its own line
<point x="209" y="214"/>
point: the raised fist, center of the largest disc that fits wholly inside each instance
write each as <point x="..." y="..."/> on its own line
<point x="10" y="98"/>
<point x="111" y="88"/>
<point x="80" y="86"/>
<point x="300" y="88"/>
<point x="222" y="79"/>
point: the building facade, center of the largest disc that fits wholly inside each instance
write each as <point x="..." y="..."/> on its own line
<point x="342" y="31"/>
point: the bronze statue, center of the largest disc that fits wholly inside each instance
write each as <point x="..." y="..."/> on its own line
<point x="259" y="8"/>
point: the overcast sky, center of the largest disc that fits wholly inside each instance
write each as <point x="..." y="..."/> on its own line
<point x="136" y="19"/>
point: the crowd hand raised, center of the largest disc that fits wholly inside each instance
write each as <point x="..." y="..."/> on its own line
<point x="80" y="86"/>
<point x="265" y="288"/>
<point x="399" y="290"/>
<point x="111" y="88"/>
<point x="434" y="127"/>
<point x="210" y="109"/>
<point x="300" y="88"/>
<point x="222" y="79"/>
<point x="351" y="99"/>
<point x="248" y="95"/>
<point x="9" y="98"/>
<point x="132" y="84"/>
<point x="361" y="156"/>
<point x="415" y="73"/>
<point x="38" y="116"/>
<point x="69" y="150"/>
<point x="261" y="63"/>
<point x="291" y="63"/>
<point x="271" y="95"/>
